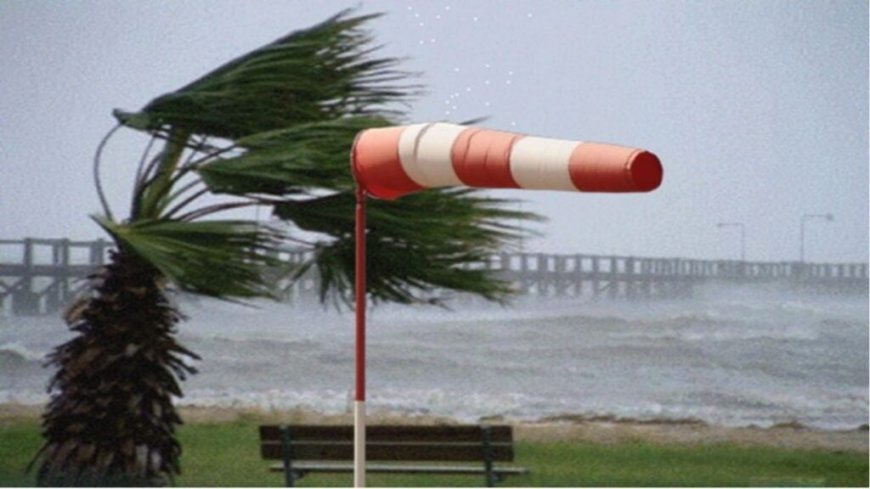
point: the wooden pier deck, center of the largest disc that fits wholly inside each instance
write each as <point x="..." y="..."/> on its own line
<point x="40" y="276"/>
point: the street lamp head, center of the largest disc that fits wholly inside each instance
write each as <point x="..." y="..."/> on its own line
<point x="828" y="217"/>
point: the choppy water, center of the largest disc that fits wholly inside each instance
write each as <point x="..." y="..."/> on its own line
<point x="732" y="357"/>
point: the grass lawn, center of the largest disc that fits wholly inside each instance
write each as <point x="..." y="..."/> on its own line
<point x="227" y="454"/>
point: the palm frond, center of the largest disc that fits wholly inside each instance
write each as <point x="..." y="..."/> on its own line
<point x="223" y="259"/>
<point x="425" y="241"/>
<point x="320" y="73"/>
<point x="286" y="161"/>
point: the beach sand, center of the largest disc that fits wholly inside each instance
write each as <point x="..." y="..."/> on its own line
<point x="568" y="428"/>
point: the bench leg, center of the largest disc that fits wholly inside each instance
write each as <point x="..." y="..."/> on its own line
<point x="287" y="453"/>
<point x="491" y="477"/>
<point x="292" y="476"/>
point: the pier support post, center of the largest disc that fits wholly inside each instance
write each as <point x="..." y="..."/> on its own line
<point x="25" y="302"/>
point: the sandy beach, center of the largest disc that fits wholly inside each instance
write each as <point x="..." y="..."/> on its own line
<point x="568" y="428"/>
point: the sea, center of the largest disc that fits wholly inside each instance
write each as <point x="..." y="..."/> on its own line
<point x="732" y="356"/>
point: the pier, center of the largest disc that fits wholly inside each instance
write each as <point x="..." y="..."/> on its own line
<point x="40" y="276"/>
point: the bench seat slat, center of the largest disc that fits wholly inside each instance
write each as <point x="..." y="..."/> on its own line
<point x="447" y="433"/>
<point x="398" y="469"/>
<point x="453" y="452"/>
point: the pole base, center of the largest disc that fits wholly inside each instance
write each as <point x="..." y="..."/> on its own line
<point x="359" y="444"/>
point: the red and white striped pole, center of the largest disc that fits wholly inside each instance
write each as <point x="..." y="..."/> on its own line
<point x="390" y="162"/>
<point x="359" y="403"/>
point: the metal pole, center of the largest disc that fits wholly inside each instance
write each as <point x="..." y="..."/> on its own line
<point x="359" y="409"/>
<point x="803" y="220"/>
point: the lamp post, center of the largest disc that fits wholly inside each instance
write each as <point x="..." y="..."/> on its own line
<point x="742" y="236"/>
<point x="806" y="217"/>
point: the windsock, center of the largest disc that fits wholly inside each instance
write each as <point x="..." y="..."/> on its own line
<point x="391" y="162"/>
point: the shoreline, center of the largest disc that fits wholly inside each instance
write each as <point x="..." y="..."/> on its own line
<point x="607" y="430"/>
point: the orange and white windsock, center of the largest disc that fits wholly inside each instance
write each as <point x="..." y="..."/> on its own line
<point x="391" y="162"/>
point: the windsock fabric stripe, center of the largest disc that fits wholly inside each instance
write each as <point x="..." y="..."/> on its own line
<point x="597" y="167"/>
<point x="482" y="158"/>
<point x="542" y="163"/>
<point x="376" y="165"/>
<point x="424" y="152"/>
<point x="391" y="162"/>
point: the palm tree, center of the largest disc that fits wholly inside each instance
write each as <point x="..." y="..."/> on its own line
<point x="272" y="127"/>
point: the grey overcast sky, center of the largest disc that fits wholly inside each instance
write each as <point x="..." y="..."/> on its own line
<point x="757" y="109"/>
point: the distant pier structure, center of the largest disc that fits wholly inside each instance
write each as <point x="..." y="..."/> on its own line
<point x="41" y="276"/>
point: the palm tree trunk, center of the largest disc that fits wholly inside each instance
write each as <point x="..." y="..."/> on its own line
<point x="111" y="420"/>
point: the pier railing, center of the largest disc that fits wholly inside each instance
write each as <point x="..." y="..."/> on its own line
<point x="39" y="276"/>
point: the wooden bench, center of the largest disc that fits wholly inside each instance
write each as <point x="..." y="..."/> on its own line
<point x="304" y="449"/>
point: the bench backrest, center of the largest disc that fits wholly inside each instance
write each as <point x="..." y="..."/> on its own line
<point x="391" y="442"/>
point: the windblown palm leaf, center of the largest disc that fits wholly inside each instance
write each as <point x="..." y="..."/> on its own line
<point x="289" y="161"/>
<point x="425" y="242"/>
<point x="316" y="74"/>
<point x="213" y="258"/>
